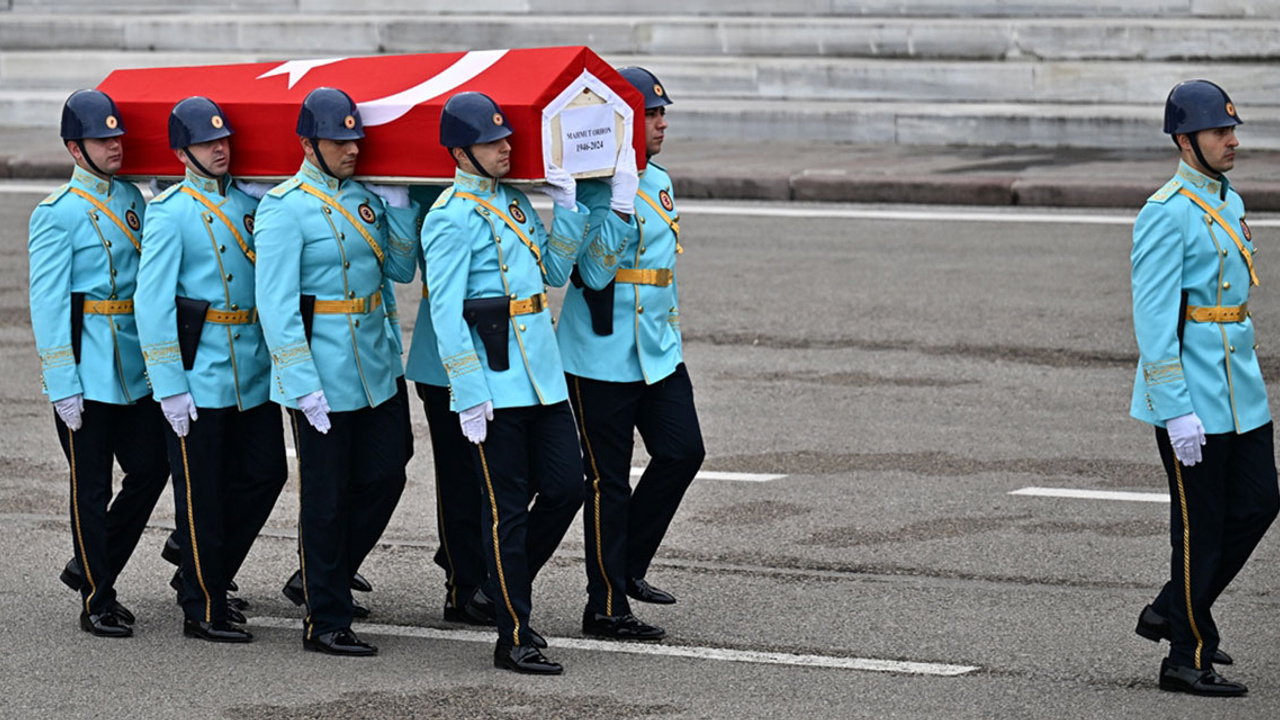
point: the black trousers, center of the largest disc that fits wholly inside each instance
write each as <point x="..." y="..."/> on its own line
<point x="624" y="528"/>
<point x="458" y="499"/>
<point x="351" y="480"/>
<point x="1221" y="508"/>
<point x="104" y="531"/>
<point x="530" y="456"/>
<point x="227" y="474"/>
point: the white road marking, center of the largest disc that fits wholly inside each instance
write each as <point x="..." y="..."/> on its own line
<point x="1093" y="494"/>
<point x="685" y="651"/>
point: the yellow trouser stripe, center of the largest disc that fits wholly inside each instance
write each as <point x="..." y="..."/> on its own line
<point x="191" y="527"/>
<point x="1186" y="559"/>
<point x="497" y="553"/>
<point x="75" y="504"/>
<point x="595" y="491"/>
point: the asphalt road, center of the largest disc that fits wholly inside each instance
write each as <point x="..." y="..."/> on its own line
<point x="904" y="373"/>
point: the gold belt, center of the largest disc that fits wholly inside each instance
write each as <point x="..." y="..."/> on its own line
<point x="349" y="307"/>
<point x="108" y="307"/>
<point x="648" y="276"/>
<point x="1217" y="313"/>
<point x="231" y="317"/>
<point x="533" y="304"/>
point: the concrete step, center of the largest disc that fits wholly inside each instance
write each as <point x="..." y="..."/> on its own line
<point x="830" y="8"/>
<point x="1053" y="39"/>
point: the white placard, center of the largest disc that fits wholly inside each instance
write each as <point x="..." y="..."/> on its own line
<point x="588" y="137"/>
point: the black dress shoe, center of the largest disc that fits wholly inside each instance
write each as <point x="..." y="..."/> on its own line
<point x="235" y="616"/>
<point x="293" y="588"/>
<point x="524" y="659"/>
<point x="222" y="632"/>
<point x="640" y="590"/>
<point x="478" y="610"/>
<point x="71" y="575"/>
<point x="359" y="609"/>
<point x="237" y="603"/>
<point x="106" y="624"/>
<point x="359" y="584"/>
<point x="122" y="613"/>
<point x="175" y="582"/>
<point x="1155" y="627"/>
<point x="171" y="553"/>
<point x="339" y="642"/>
<point x="1176" y="678"/>
<point x="536" y="639"/>
<point x="619" y="627"/>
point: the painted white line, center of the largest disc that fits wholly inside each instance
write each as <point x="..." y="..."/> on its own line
<point x="1093" y="494"/>
<point x="924" y="214"/>
<point x="716" y="475"/>
<point x="685" y="651"/>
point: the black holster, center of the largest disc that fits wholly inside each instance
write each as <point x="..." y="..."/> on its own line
<point x="191" y="314"/>
<point x="77" y="323"/>
<point x="307" y="306"/>
<point x="490" y="317"/>
<point x="1182" y="319"/>
<point x="599" y="303"/>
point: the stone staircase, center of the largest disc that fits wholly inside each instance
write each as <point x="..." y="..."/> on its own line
<point x="1044" y="73"/>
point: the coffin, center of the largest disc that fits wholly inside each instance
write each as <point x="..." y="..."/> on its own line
<point x="566" y="107"/>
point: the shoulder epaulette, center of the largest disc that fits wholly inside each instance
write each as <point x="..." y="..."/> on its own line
<point x="1169" y="190"/>
<point x="167" y="193"/>
<point x="284" y="187"/>
<point x="443" y="198"/>
<point x="53" y="196"/>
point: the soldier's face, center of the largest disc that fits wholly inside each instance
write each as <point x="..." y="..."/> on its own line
<point x="214" y="156"/>
<point x="1219" y="147"/>
<point x="340" y="156"/>
<point x="655" y="130"/>
<point x="495" y="156"/>
<point x="106" y="153"/>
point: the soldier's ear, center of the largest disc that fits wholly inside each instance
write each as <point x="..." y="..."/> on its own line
<point x="306" y="144"/>
<point x="74" y="148"/>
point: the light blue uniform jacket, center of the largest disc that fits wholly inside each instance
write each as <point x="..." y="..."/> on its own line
<point x="424" y="364"/>
<point x="1216" y="373"/>
<point x="76" y="248"/>
<point x="471" y="253"/>
<point x="306" y="247"/>
<point x="189" y="251"/>
<point x="645" y="343"/>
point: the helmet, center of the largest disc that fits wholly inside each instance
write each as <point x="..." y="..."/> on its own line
<point x="1197" y="105"/>
<point x="655" y="96"/>
<point x="195" y="120"/>
<point x="90" y="114"/>
<point x="330" y="114"/>
<point x="469" y="118"/>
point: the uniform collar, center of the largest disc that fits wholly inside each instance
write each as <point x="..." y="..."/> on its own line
<point x="474" y="183"/>
<point x="1203" y="182"/>
<point x="208" y="186"/>
<point x="88" y="181"/>
<point x="315" y="176"/>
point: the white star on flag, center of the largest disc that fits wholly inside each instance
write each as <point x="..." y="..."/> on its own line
<point x="296" y="69"/>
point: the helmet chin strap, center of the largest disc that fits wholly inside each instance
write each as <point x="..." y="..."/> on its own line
<point x="315" y="147"/>
<point x="476" y="163"/>
<point x="93" y="165"/>
<point x="203" y="170"/>
<point x="1195" y="145"/>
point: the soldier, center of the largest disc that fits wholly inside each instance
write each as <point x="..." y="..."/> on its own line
<point x="488" y="262"/>
<point x="326" y="243"/>
<point x="458" y="500"/>
<point x="208" y="364"/>
<point x="84" y="249"/>
<point x="1198" y="382"/>
<point x="620" y="338"/>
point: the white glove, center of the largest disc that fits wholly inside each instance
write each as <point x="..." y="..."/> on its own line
<point x="562" y="188"/>
<point x="1186" y="434"/>
<point x="624" y="184"/>
<point x="397" y="196"/>
<point x="254" y="190"/>
<point x="474" y="421"/>
<point x="69" y="410"/>
<point x="180" y="411"/>
<point x="316" y="408"/>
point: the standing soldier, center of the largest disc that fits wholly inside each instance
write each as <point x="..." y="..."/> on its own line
<point x="1199" y="383"/>
<point x="84" y="248"/>
<point x="620" y="338"/>
<point x="208" y="364"/>
<point x="325" y="245"/>
<point x="488" y="262"/>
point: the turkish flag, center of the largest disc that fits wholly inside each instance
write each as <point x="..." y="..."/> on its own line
<point x="400" y="98"/>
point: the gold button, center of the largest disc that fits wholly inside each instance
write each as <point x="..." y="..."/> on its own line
<point x="326" y="209"/>
<point x="1232" y="348"/>
<point x="230" y="277"/>
<point x="522" y="328"/>
<point x="672" y="310"/>
<point x="222" y="248"/>
<point x="108" y="242"/>
<point x="640" y="218"/>
<point x="342" y="236"/>
<point x="113" y="296"/>
<point x="208" y="219"/>
<point x="641" y="249"/>
<point x="504" y="268"/>
<point x="1255" y="346"/>
<point x="1224" y="252"/>
<point x="1226" y="286"/>
<point x="236" y="336"/>
<point x="235" y="306"/>
<point x="113" y="272"/>
<point x="357" y="323"/>
<point x="513" y="296"/>
<point x="346" y="265"/>
<point x="351" y="294"/>
<point x="95" y="217"/>
<point x="640" y="310"/>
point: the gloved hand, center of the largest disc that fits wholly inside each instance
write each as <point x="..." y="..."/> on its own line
<point x="561" y="187"/>
<point x="316" y="408"/>
<point x="475" y="421"/>
<point x="397" y="196"/>
<point x="69" y="410"/>
<point x="254" y="190"/>
<point x="624" y="184"/>
<point x="180" y="411"/>
<point x="1186" y="434"/>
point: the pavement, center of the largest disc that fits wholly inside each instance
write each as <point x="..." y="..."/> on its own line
<point x="831" y="172"/>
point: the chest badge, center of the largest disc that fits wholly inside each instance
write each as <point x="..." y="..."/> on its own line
<point x="131" y="217"/>
<point x="664" y="197"/>
<point x="366" y="213"/>
<point x="248" y="222"/>
<point x="1245" y="227"/>
<point x="516" y="213"/>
